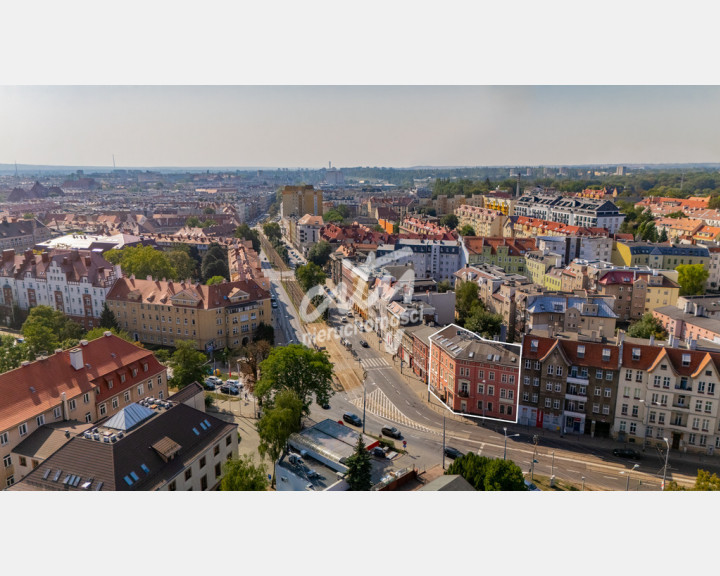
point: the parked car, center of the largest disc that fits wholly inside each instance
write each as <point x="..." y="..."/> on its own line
<point x="363" y="344"/>
<point x="274" y="305"/>
<point x="353" y="419"/>
<point x="626" y="453"/>
<point x="531" y="487"/>
<point x="391" y="431"/>
<point x="453" y="453"/>
<point x="209" y="384"/>
<point x="379" y="452"/>
<point x="344" y="320"/>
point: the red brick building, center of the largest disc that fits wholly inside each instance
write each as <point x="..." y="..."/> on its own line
<point x="473" y="375"/>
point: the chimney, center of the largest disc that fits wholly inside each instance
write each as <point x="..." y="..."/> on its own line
<point x="45" y="257"/>
<point x="652" y="339"/>
<point x="65" y="410"/>
<point x="76" y="358"/>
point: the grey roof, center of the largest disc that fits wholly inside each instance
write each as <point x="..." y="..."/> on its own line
<point x="49" y="438"/>
<point x="560" y="305"/>
<point x="466" y="345"/>
<point x="128" y="417"/>
<point x="675" y="313"/>
<point x="448" y="483"/>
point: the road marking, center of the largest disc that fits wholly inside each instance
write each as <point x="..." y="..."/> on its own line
<point x="573" y="471"/>
<point x="379" y="404"/>
<point x="611" y="477"/>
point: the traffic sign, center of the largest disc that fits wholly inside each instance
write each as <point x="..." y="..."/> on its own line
<point x="404" y="444"/>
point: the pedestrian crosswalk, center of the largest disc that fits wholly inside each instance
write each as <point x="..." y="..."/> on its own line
<point x="379" y="404"/>
<point x="368" y="363"/>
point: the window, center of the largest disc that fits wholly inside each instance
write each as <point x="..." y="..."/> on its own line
<point x="536" y="381"/>
<point x="623" y="425"/>
<point x="141" y="389"/>
<point x="534" y="398"/>
<point x="527" y="363"/>
<point x="86" y="398"/>
<point x="624" y="410"/>
<point x="115" y="403"/>
<point x="558" y="370"/>
<point x="550" y="370"/>
<point x="216" y="450"/>
<point x="691" y="438"/>
<point x="172" y="486"/>
<point x="10" y="481"/>
<point x="708" y="407"/>
<point x="3" y="438"/>
<point x="526" y="397"/>
<point x="57" y="412"/>
<point x="548" y="402"/>
<point x="72" y="404"/>
<point x="526" y="380"/>
<point x="548" y="386"/>
<point x="698" y="405"/>
<point x="606" y="409"/>
<point x="661" y="418"/>
<point x="188" y="474"/>
<point x="628" y="375"/>
<point x="122" y="376"/>
<point x="127" y="395"/>
<point x="7" y="461"/>
<point x="479" y="405"/>
<point x="633" y="427"/>
<point x="23" y="461"/>
<point x="608" y="392"/>
<point x="608" y="375"/>
<point x="491" y="390"/>
<point x="656" y="382"/>
<point x="711" y="387"/>
<point x="701" y="387"/>
<point x="638" y="376"/>
<point x="666" y="382"/>
<point x="558" y="387"/>
<point x="228" y="441"/>
<point x="596" y="408"/>
<point x="556" y="405"/>
<point x="218" y="470"/>
<point x="598" y="391"/>
<point x="40" y="420"/>
<point x="491" y="375"/>
<point x="22" y="429"/>
<point x="598" y="374"/>
<point x="635" y="411"/>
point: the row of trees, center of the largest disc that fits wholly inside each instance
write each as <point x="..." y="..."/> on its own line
<point x="471" y="312"/>
<point x="273" y="233"/>
<point x="181" y="263"/>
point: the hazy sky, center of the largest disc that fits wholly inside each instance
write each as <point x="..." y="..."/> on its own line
<point x="307" y="126"/>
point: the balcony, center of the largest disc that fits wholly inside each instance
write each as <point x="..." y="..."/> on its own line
<point x="571" y="414"/>
<point x="685" y="387"/>
<point x="582" y="380"/>
<point x="463" y="394"/>
<point x="576" y="397"/>
<point x="681" y="405"/>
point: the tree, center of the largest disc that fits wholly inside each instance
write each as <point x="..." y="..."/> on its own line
<point x="46" y="329"/>
<point x="245" y="232"/>
<point x="214" y="263"/>
<point x="107" y="318"/>
<point x="449" y="221"/>
<point x="677" y="214"/>
<point x="184" y="265"/>
<point x="484" y="323"/>
<point x="272" y="231"/>
<point x="142" y="261"/>
<point x="99" y="332"/>
<point x="265" y="332"/>
<point x="488" y="474"/>
<point x="242" y="474"/>
<point x="466" y="300"/>
<point x="297" y="367"/>
<point x="215" y="280"/>
<point x="692" y="279"/>
<point x="282" y="416"/>
<point x="706" y="482"/>
<point x="444" y="286"/>
<point x="209" y="210"/>
<point x="467" y="230"/>
<point x="343" y="210"/>
<point x="188" y="364"/>
<point x="359" y="468"/>
<point x="192" y="222"/>
<point x="12" y="353"/>
<point x="647" y="326"/>
<point x="251" y="356"/>
<point x="310" y="275"/>
<point x="319" y="253"/>
<point x="663" y="235"/>
<point x="332" y="215"/>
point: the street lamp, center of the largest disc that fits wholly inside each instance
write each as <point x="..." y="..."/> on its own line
<point x="667" y="453"/>
<point x="583" y="483"/>
<point x="628" y="473"/>
<point x="506" y="437"/>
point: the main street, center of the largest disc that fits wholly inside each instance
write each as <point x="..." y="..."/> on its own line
<point x="389" y="399"/>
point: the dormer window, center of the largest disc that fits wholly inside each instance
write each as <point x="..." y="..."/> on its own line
<point x="636" y="354"/>
<point x="686" y="359"/>
<point x="581" y="351"/>
<point x="145" y="367"/>
<point x="533" y="345"/>
<point x="122" y="378"/>
<point x="134" y="372"/>
<point x="606" y="354"/>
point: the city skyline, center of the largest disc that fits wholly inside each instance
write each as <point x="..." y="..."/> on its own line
<point x="394" y="126"/>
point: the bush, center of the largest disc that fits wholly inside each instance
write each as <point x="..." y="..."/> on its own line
<point x="386" y="443"/>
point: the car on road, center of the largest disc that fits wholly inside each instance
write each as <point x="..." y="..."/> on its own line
<point x="363" y="344"/>
<point x="274" y="304"/>
<point x="453" y="453"/>
<point x="391" y="431"/>
<point x="531" y="487"/>
<point x="626" y="453"/>
<point x="353" y="419"/>
<point x="344" y="320"/>
<point x="379" y="452"/>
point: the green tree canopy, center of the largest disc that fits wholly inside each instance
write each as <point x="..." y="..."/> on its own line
<point x="282" y="416"/>
<point x="466" y="300"/>
<point x="12" y="353"/>
<point x="467" y="230"/>
<point x="184" y="265"/>
<point x="244" y="231"/>
<point x="99" y="332"/>
<point x="251" y="356"/>
<point x="444" y="286"/>
<point x="309" y="275"/>
<point x="297" y="367"/>
<point x="359" y="468"/>
<point x="488" y="474"/>
<point x="333" y="215"/>
<point x="107" y="318"/>
<point x="319" y="253"/>
<point x="242" y="474"/>
<point x="142" y="261"/>
<point x="46" y="329"/>
<point x="188" y="364"/>
<point x="484" y="323"/>
<point x="265" y="332"/>
<point x="449" y="221"/>
<point x="692" y="279"/>
<point x="192" y="222"/>
<point x="272" y="231"/>
<point x="647" y="326"/>
<point x="215" y="280"/>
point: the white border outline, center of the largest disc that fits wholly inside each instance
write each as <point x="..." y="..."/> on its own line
<point x="480" y="338"/>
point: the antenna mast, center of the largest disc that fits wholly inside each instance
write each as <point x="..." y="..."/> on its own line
<point x="113" y="162"/>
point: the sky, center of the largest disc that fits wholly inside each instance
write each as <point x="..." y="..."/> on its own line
<point x="361" y="125"/>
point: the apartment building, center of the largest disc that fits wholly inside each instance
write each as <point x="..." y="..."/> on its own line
<point x="475" y="376"/>
<point x="688" y="323"/>
<point x="574" y="211"/>
<point x="658" y="256"/>
<point x="529" y="227"/>
<point x="148" y="446"/>
<point x="69" y="388"/>
<point x="506" y="253"/>
<point x="214" y="317"/>
<point x="570" y="313"/>
<point x="588" y="248"/>
<point x="300" y="200"/>
<point x="484" y="221"/>
<point x="569" y="386"/>
<point x="21" y="235"/>
<point x="307" y="232"/>
<point x="74" y="282"/>
<point x="436" y="259"/>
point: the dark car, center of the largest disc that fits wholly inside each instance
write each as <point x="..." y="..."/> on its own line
<point x="453" y="453"/>
<point x="391" y="431"/>
<point x="626" y="453"/>
<point x="363" y="344"/>
<point x="353" y="419"/>
<point x="379" y="452"/>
